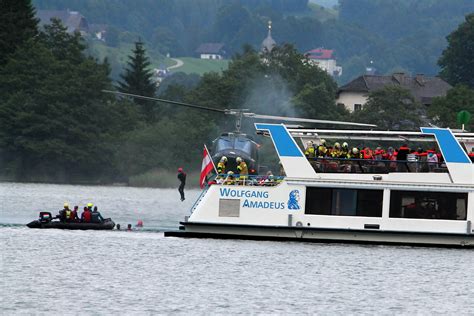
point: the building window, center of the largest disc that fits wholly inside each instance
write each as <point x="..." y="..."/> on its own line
<point x="428" y="205"/>
<point x="344" y="202"/>
<point x="357" y="107"/>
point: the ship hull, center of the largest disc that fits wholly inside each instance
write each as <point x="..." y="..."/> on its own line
<point x="321" y="235"/>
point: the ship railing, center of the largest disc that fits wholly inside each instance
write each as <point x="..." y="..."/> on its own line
<point x="203" y="192"/>
<point x="349" y="165"/>
<point x="249" y="180"/>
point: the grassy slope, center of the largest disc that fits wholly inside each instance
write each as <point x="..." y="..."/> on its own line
<point x="191" y="65"/>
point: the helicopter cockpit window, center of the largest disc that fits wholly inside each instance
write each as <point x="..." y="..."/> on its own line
<point x="223" y="144"/>
<point x="243" y="144"/>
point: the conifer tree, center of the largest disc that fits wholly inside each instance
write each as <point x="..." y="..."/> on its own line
<point x="137" y="79"/>
<point x="17" y="25"/>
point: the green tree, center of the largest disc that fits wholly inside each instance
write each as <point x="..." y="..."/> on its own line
<point x="17" y="25"/>
<point x="55" y="121"/>
<point x="457" y="60"/>
<point x="137" y="79"/>
<point x="443" y="111"/>
<point x="391" y="108"/>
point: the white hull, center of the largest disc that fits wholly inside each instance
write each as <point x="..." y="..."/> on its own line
<point x="308" y="234"/>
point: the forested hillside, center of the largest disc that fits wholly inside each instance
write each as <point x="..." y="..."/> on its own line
<point x="56" y="123"/>
<point x="404" y="35"/>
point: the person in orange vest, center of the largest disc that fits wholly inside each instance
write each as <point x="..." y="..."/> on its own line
<point x="367" y="153"/>
<point x="471" y="154"/>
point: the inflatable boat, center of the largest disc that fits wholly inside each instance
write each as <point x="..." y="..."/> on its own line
<point x="47" y="221"/>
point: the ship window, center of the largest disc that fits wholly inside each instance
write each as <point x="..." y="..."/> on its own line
<point x="428" y="205"/>
<point x="344" y="202"/>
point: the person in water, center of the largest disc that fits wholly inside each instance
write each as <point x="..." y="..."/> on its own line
<point x="96" y="217"/>
<point x="182" y="179"/>
<point x="86" y="215"/>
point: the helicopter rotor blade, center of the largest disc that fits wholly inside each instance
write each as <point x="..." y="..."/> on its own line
<point x="296" y="119"/>
<point x="137" y="96"/>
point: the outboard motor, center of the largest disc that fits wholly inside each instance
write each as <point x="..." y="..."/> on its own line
<point x="45" y="217"/>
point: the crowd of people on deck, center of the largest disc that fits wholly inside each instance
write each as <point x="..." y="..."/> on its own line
<point x="403" y="153"/>
<point x="90" y="214"/>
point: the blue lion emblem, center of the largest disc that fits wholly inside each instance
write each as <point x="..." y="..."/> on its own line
<point x="293" y="200"/>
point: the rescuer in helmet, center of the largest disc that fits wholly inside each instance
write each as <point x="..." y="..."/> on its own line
<point x="322" y="149"/>
<point x="242" y="169"/>
<point x="221" y="165"/>
<point x="310" y="150"/>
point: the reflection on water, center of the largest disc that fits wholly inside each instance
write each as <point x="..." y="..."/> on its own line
<point x="110" y="272"/>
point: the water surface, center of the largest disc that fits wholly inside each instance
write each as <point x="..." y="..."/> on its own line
<point x="141" y="272"/>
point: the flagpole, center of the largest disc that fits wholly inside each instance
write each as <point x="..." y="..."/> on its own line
<point x="207" y="151"/>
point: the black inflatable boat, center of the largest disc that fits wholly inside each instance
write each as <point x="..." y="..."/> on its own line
<point x="46" y="221"/>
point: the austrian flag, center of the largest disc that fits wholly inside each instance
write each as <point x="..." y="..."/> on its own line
<point x="206" y="167"/>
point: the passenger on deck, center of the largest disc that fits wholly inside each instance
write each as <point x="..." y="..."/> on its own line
<point x="336" y="152"/>
<point x="432" y="159"/>
<point x="345" y="152"/>
<point x="310" y="150"/>
<point x="242" y="169"/>
<point x="367" y="153"/>
<point x="403" y="152"/>
<point x="86" y="215"/>
<point x="322" y="149"/>
<point x="96" y="217"/>
<point x="471" y="154"/>
<point x="379" y="153"/>
<point x="221" y="165"/>
<point x="355" y="153"/>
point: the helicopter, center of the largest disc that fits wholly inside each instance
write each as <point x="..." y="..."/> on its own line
<point x="237" y="144"/>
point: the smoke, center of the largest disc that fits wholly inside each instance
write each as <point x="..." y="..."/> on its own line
<point x="270" y="95"/>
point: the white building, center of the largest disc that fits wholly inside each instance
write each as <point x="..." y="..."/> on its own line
<point x="211" y="51"/>
<point x="324" y="59"/>
<point x="355" y="94"/>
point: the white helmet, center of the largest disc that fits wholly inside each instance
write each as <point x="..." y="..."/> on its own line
<point x="345" y="145"/>
<point x="239" y="160"/>
<point x="355" y="151"/>
<point x="230" y="173"/>
<point x="310" y="143"/>
<point x="224" y="159"/>
<point x="323" y="141"/>
<point x="337" y="145"/>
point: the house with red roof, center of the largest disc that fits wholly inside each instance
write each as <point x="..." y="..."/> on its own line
<point x="324" y="59"/>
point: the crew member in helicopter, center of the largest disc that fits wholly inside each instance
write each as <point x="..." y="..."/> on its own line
<point x="242" y="169"/>
<point x="182" y="178"/>
<point x="221" y="166"/>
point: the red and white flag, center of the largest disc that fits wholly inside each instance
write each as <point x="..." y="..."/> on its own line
<point x="206" y="167"/>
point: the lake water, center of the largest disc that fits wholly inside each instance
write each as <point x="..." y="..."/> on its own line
<point x="142" y="272"/>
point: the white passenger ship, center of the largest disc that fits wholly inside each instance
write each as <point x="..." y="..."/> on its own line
<point x="348" y="200"/>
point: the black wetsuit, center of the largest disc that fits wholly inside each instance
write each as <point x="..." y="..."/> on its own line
<point x="182" y="178"/>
